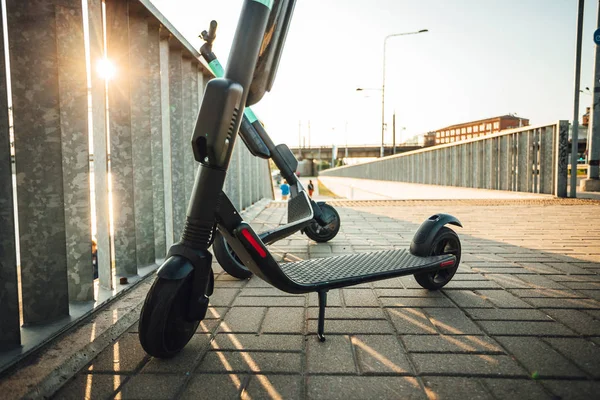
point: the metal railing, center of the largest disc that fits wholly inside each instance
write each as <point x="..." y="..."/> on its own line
<point x="136" y="200"/>
<point x="529" y="159"/>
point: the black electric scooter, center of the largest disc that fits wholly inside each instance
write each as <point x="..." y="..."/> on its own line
<point x="178" y="299"/>
<point x="325" y="223"/>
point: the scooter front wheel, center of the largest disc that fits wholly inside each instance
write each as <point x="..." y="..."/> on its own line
<point x="227" y="258"/>
<point x="445" y="242"/>
<point x="164" y="329"/>
<point x="322" y="234"/>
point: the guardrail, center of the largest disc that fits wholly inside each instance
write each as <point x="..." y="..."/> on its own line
<point x="529" y="159"/>
<point x="59" y="112"/>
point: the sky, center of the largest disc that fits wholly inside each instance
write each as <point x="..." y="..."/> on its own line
<point x="480" y="59"/>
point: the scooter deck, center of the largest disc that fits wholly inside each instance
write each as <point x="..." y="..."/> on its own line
<point x="346" y="270"/>
<point x="321" y="274"/>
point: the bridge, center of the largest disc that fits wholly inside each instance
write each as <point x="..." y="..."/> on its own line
<point x="350" y="151"/>
<point x="65" y="334"/>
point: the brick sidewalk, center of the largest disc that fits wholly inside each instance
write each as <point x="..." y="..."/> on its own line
<point x="520" y="320"/>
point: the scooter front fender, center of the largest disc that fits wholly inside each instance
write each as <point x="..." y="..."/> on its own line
<point x="175" y="268"/>
<point x="181" y="261"/>
<point x="423" y="239"/>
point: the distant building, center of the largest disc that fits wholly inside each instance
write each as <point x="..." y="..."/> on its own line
<point x="586" y="117"/>
<point x="424" y="140"/>
<point x="429" y="139"/>
<point x="470" y="130"/>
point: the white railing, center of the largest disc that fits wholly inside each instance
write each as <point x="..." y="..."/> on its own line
<point x="529" y="159"/>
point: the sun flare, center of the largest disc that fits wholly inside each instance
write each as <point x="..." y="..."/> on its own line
<point x="106" y="69"/>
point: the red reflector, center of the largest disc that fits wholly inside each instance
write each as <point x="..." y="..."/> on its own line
<point x="447" y="264"/>
<point x="261" y="252"/>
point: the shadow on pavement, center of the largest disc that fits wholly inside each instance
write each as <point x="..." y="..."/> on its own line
<point x="520" y="319"/>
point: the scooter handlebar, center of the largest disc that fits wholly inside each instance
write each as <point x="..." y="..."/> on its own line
<point x="210" y="35"/>
<point x="212" y="31"/>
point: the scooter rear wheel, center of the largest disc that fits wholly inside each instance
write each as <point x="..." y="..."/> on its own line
<point x="227" y="258"/>
<point x="446" y="242"/>
<point x="322" y="234"/>
<point x="164" y="329"/>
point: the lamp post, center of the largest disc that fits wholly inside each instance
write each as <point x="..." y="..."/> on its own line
<point x="574" y="136"/>
<point x="383" y="82"/>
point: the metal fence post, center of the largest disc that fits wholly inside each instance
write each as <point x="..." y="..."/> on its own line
<point x="165" y="111"/>
<point x="100" y="164"/>
<point x="189" y="116"/>
<point x="535" y="161"/>
<point x="121" y="146"/>
<point x="156" y="134"/>
<point x="546" y="156"/>
<point x="523" y="177"/>
<point x="561" y="150"/>
<point x="176" y="127"/>
<point x="10" y="335"/>
<point x="47" y="299"/>
<point x="141" y="138"/>
<point x="72" y="93"/>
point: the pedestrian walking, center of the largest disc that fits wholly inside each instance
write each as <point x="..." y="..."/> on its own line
<point x="285" y="190"/>
<point x="311" y="188"/>
<point x="95" y="257"/>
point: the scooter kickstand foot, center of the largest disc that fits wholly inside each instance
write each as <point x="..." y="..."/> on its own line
<point x="321" y="324"/>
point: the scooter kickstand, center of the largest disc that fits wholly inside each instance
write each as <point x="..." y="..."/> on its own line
<point x="322" y="305"/>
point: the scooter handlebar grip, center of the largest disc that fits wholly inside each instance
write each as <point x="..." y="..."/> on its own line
<point x="212" y="30"/>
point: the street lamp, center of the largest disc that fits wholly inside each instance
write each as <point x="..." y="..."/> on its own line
<point x="382" y="89"/>
<point x="383" y="82"/>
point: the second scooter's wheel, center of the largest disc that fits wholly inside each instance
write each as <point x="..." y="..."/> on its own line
<point x="164" y="329"/>
<point x="324" y="234"/>
<point x="446" y="242"/>
<point x="227" y="258"/>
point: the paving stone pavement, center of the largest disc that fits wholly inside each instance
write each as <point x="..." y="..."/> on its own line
<point x="520" y="320"/>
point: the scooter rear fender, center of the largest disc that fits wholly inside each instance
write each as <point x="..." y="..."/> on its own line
<point x="423" y="239"/>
